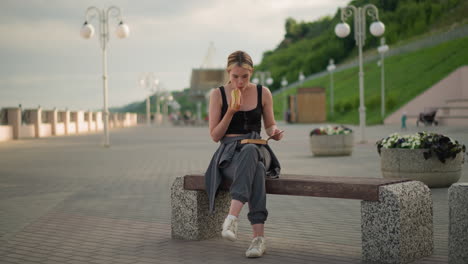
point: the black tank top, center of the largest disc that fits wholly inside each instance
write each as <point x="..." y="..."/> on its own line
<point x="244" y="122"/>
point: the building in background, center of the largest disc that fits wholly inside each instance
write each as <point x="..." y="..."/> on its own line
<point x="205" y="78"/>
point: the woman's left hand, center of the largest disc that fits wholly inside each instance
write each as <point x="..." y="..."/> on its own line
<point x="277" y="134"/>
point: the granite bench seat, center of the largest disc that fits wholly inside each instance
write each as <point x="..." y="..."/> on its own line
<point x="396" y="214"/>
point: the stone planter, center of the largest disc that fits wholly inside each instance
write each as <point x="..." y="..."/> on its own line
<point x="410" y="164"/>
<point x="331" y="145"/>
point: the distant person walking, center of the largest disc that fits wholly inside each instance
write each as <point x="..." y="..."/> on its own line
<point x="403" y="121"/>
<point x="244" y="165"/>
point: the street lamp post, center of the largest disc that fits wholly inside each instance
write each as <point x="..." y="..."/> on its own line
<point x="165" y="97"/>
<point x="331" y="68"/>
<point x="158" y="101"/>
<point x="149" y="82"/>
<point x="284" y="83"/>
<point x="144" y="84"/>
<point x="377" y="29"/>
<point x="148" y="111"/>
<point x="198" y="96"/>
<point x="263" y="77"/>
<point x="169" y="100"/>
<point x="382" y="49"/>
<point x="87" y="31"/>
<point x="301" y="77"/>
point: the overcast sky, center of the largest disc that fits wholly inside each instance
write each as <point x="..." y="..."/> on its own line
<point x="44" y="61"/>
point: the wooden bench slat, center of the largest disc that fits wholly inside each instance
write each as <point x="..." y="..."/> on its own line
<point x="305" y="185"/>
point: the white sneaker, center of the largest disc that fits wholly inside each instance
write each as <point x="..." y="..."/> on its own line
<point x="257" y="248"/>
<point x="230" y="229"/>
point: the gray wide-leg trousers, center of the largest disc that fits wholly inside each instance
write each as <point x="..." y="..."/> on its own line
<point x="247" y="174"/>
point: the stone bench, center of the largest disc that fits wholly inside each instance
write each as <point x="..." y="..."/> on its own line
<point x="396" y="215"/>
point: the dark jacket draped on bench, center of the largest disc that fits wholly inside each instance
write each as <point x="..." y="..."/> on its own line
<point x="223" y="156"/>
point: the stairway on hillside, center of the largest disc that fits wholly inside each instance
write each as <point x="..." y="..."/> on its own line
<point x="449" y="96"/>
<point x="455" y="112"/>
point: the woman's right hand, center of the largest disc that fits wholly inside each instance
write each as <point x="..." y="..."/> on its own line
<point x="234" y="105"/>
<point x="232" y="109"/>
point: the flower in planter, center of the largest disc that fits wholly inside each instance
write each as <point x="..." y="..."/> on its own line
<point x="331" y="130"/>
<point x="437" y="144"/>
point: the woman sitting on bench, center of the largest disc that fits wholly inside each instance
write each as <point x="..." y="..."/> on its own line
<point x="244" y="165"/>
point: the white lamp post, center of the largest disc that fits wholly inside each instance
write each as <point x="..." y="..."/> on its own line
<point x="377" y="29"/>
<point x="158" y="106"/>
<point x="161" y="101"/>
<point x="284" y="83"/>
<point x="165" y="98"/>
<point x="87" y="31"/>
<point x="331" y="68"/>
<point x="149" y="82"/>
<point x="262" y="77"/>
<point x="148" y="121"/>
<point x="169" y="100"/>
<point x="382" y="49"/>
<point x="301" y="77"/>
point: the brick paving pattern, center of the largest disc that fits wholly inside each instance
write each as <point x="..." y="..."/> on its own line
<point x="69" y="200"/>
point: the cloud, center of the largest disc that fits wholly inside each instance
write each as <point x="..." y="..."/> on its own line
<point x="28" y="80"/>
<point x="43" y="51"/>
<point x="41" y="36"/>
<point x="36" y="10"/>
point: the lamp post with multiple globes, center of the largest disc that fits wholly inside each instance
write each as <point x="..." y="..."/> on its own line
<point x="262" y="77"/>
<point x="87" y="31"/>
<point x="377" y="29"/>
<point x="149" y="82"/>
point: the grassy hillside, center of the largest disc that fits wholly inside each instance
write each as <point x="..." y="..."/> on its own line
<point x="406" y="76"/>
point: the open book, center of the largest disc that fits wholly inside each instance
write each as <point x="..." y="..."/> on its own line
<point x="259" y="141"/>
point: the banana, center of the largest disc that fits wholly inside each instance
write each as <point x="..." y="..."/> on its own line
<point x="235" y="98"/>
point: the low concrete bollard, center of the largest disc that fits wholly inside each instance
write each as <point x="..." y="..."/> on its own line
<point x="458" y="223"/>
<point x="190" y="217"/>
<point x="398" y="228"/>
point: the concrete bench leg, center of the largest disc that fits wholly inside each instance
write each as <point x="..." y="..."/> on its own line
<point x="190" y="217"/>
<point x="399" y="227"/>
<point x="458" y="227"/>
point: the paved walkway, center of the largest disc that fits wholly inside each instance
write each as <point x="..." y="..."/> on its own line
<point x="69" y="200"/>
